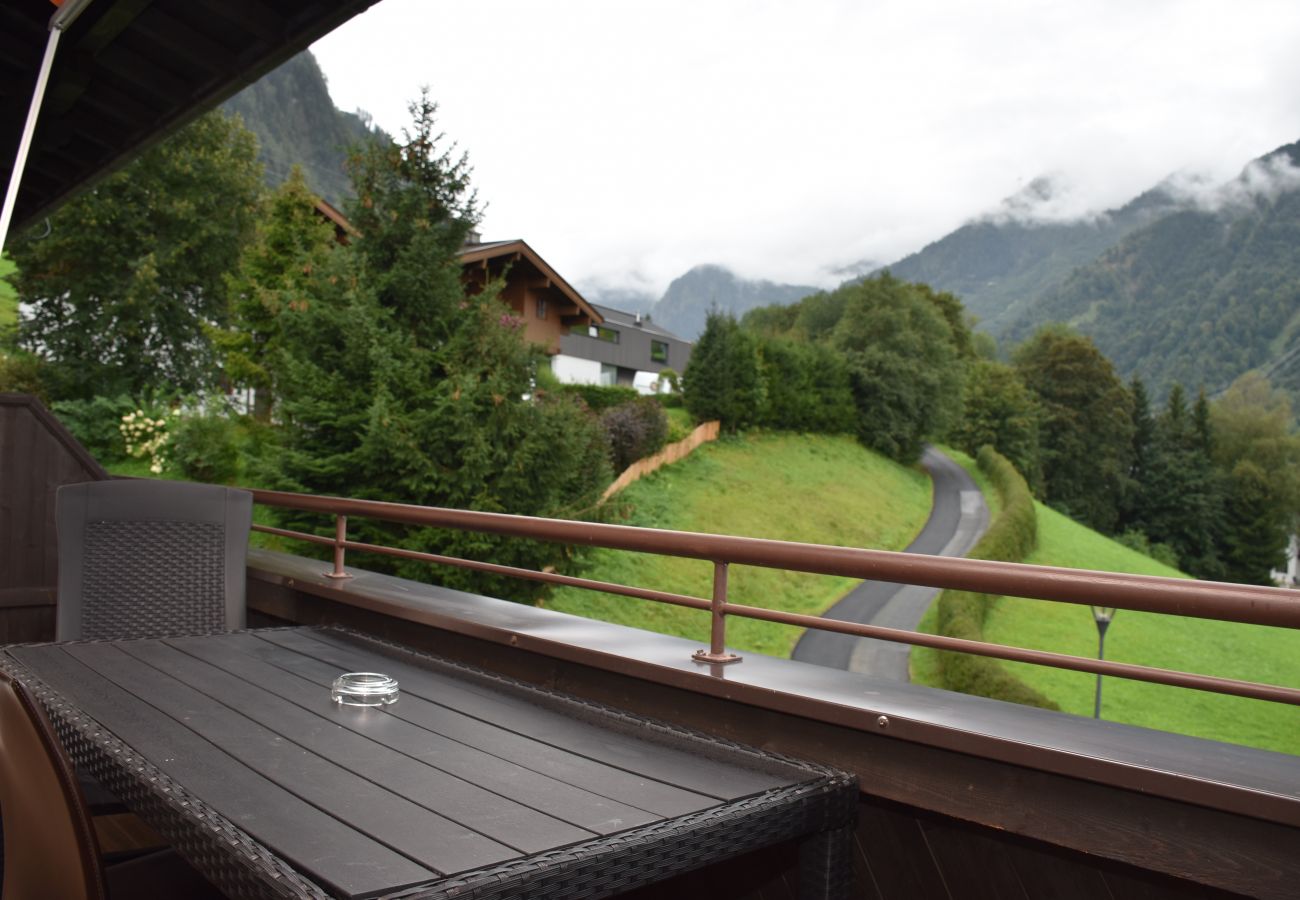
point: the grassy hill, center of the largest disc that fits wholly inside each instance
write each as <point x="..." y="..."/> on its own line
<point x="811" y="488"/>
<point x="1251" y="652"/>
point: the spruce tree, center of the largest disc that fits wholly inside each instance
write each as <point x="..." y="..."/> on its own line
<point x="1139" y="470"/>
<point x="723" y="380"/>
<point x="276" y="278"/>
<point x="1180" y="500"/>
<point x="1254" y="534"/>
<point x="398" y="386"/>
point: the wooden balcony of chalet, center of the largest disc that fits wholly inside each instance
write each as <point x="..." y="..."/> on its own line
<point x="959" y="796"/>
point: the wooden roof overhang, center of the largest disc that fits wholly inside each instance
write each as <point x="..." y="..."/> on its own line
<point x="344" y="230"/>
<point x="492" y="258"/>
<point x="129" y="72"/>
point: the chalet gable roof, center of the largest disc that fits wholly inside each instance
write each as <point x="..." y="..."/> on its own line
<point x="494" y="250"/>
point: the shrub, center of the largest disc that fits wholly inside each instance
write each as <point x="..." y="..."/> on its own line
<point x="807" y="388"/>
<point x="679" y="426"/>
<point x="1160" y="552"/>
<point x="1011" y="537"/>
<point x="146" y="434"/>
<point x="97" y="424"/>
<point x="23" y="373"/>
<point x="635" y="430"/>
<point x="599" y="397"/>
<point x="206" y="448"/>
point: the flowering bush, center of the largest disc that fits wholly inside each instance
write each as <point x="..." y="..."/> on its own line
<point x="146" y="437"/>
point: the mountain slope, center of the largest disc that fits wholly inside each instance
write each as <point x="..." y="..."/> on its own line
<point x="686" y="304"/>
<point x="1201" y="295"/>
<point x="999" y="264"/>
<point x="296" y="123"/>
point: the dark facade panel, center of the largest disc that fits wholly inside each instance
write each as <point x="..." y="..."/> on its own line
<point x="635" y="348"/>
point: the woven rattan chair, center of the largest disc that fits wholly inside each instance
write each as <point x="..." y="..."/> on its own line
<point x="141" y="558"/>
<point x="50" y="849"/>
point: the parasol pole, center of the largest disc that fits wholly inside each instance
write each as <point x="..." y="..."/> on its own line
<point x="63" y="17"/>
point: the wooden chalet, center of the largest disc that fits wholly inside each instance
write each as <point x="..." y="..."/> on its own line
<point x="549" y="306"/>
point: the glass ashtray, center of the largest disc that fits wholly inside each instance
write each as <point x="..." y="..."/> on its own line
<point x="364" y="689"/>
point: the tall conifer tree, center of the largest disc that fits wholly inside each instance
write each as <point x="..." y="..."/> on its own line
<point x="399" y="386"/>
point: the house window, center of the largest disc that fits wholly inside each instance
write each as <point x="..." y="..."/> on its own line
<point x="541" y="307"/>
<point x="659" y="351"/>
<point x="601" y="333"/>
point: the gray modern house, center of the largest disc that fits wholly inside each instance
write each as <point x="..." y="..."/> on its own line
<point x="626" y="348"/>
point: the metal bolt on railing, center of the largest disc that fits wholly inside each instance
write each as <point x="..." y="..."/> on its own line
<point x="340" y="539"/>
<point x="717" y="652"/>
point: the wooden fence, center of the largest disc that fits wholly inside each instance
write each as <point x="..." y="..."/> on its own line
<point x="670" y="454"/>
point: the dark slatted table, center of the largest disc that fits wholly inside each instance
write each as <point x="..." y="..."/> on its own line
<point x="471" y="785"/>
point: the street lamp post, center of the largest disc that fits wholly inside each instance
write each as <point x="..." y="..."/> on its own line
<point x="1102" y="615"/>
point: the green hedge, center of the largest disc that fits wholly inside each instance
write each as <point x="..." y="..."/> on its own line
<point x="599" y="397"/>
<point x="961" y="614"/>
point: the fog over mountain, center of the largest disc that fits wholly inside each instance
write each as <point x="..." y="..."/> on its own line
<point x="1199" y="295"/>
<point x="998" y="263"/>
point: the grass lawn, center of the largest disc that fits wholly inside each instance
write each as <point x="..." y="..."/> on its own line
<point x="811" y="488"/>
<point x="1251" y="652"/>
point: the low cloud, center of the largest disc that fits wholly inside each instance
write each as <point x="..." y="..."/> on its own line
<point x="1262" y="181"/>
<point x="1048" y="199"/>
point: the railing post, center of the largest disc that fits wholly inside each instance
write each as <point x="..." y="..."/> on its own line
<point x="717" y="652"/>
<point x="340" y="536"/>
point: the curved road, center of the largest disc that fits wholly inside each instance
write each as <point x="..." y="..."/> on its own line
<point x="957" y="519"/>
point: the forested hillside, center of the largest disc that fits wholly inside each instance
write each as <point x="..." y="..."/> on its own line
<point x="1000" y="264"/>
<point x="1201" y="295"/>
<point x="296" y="123"/>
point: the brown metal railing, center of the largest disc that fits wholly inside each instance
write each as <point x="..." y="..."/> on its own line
<point x="1199" y="599"/>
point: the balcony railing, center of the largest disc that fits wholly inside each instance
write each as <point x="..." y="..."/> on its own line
<point x="1199" y="599"/>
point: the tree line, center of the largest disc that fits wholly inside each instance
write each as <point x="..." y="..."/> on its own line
<point x="1211" y="486"/>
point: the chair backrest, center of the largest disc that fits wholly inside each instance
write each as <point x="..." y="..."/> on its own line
<point x="49" y="843"/>
<point x="141" y="558"/>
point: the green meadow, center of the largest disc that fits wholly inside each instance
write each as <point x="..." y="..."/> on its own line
<point x="1227" y="649"/>
<point x="810" y="488"/>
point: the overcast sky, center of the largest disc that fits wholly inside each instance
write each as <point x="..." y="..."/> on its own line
<point x="629" y="141"/>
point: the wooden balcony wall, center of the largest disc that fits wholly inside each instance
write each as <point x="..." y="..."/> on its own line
<point x="37" y="455"/>
<point x="1040" y="810"/>
<point x="961" y="796"/>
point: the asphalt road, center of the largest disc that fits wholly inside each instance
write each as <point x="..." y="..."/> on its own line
<point x="958" y="518"/>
